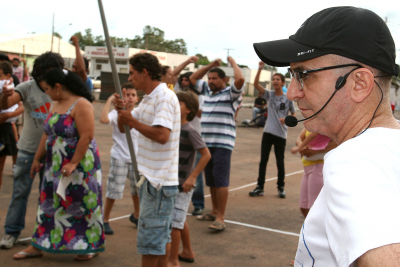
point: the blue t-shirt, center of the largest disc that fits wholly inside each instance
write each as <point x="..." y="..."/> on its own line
<point x="89" y="84"/>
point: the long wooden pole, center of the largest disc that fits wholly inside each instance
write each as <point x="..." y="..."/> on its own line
<point x="118" y="88"/>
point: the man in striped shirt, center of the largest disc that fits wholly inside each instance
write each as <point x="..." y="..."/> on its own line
<point x="218" y="131"/>
<point x="158" y="121"/>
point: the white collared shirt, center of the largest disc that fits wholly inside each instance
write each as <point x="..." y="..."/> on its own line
<point x="159" y="162"/>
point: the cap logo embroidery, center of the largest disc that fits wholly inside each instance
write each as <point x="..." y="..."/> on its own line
<point x="305" y="52"/>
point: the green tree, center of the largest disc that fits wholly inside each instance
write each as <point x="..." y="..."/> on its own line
<point x="152" y="39"/>
<point x="203" y="60"/>
<point x="57" y="35"/>
<point x="268" y="67"/>
<point x="89" y="39"/>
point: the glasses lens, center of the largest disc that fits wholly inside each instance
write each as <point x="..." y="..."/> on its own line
<point x="296" y="78"/>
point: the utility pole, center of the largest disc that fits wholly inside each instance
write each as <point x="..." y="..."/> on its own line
<point x="227" y="50"/>
<point x="52" y="35"/>
<point x="195" y="51"/>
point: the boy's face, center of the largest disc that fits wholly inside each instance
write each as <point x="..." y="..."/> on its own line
<point x="15" y="63"/>
<point x="131" y="96"/>
<point x="184" y="110"/>
<point x="4" y="76"/>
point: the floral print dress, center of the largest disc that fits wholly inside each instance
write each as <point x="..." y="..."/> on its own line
<point x="75" y="225"/>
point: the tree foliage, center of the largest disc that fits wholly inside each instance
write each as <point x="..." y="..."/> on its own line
<point x="268" y="67"/>
<point x="151" y="39"/>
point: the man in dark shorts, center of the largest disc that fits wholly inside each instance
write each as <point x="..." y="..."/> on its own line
<point x="219" y="132"/>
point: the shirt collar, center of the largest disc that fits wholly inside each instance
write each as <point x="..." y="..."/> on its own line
<point x="156" y="90"/>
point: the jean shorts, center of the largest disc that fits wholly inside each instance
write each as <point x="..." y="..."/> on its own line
<point x="155" y="218"/>
<point x="180" y="209"/>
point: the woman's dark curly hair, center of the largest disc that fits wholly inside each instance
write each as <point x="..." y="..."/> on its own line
<point x="44" y="62"/>
<point x="149" y="62"/>
<point x="70" y="80"/>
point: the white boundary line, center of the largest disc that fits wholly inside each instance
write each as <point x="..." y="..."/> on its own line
<point x="268" y="180"/>
<point x="263" y="228"/>
<point x="232" y="222"/>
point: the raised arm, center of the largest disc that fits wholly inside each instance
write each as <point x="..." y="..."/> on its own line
<point x="197" y="75"/>
<point x="257" y="78"/>
<point x="79" y="65"/>
<point x="178" y="69"/>
<point x="237" y="73"/>
<point x="104" y="113"/>
<point x="26" y="75"/>
<point x="9" y="97"/>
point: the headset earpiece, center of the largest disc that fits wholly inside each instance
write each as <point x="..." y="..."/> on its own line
<point x="341" y="81"/>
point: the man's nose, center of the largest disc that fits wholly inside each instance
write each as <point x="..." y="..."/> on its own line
<point x="293" y="91"/>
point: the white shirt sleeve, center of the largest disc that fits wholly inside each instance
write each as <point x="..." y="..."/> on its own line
<point x="165" y="110"/>
<point x="113" y="117"/>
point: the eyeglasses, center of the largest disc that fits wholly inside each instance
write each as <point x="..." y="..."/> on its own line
<point x="298" y="76"/>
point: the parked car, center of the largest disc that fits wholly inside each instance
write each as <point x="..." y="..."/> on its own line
<point x="96" y="81"/>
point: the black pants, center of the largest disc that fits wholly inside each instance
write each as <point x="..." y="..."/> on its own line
<point x="279" y="147"/>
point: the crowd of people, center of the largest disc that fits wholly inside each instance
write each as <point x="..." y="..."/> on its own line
<point x="185" y="126"/>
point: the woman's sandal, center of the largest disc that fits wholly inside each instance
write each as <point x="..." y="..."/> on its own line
<point x="208" y="217"/>
<point x="217" y="226"/>
<point x="22" y="255"/>
<point x="86" y="257"/>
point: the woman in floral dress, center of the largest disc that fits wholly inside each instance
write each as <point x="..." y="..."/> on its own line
<point x="73" y="225"/>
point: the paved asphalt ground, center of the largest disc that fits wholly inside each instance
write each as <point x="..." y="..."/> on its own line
<point x="261" y="231"/>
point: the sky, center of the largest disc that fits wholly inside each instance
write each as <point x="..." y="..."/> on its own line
<point x="208" y="27"/>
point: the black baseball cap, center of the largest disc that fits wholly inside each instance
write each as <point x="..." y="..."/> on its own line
<point x="351" y="32"/>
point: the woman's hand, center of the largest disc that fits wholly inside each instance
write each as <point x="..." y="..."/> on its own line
<point x="36" y="166"/>
<point x="68" y="168"/>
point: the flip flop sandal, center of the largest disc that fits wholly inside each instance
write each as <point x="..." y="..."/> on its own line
<point x="217" y="226"/>
<point x="190" y="260"/>
<point x="25" y="255"/>
<point x="208" y="217"/>
<point x="86" y="257"/>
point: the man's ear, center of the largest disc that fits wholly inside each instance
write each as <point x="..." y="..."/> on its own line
<point x="361" y="85"/>
<point x="145" y="72"/>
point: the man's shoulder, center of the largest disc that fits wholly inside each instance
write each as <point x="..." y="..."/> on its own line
<point x="27" y="85"/>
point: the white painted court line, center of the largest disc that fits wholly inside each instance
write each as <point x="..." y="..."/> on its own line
<point x="268" y="180"/>
<point x="262" y="228"/>
<point x="232" y="222"/>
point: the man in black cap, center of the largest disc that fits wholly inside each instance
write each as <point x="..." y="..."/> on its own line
<point x="342" y="60"/>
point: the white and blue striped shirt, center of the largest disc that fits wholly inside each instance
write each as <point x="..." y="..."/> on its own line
<point x="218" y="127"/>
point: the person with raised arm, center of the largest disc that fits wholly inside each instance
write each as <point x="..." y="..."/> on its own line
<point x="219" y="132"/>
<point x="275" y="130"/>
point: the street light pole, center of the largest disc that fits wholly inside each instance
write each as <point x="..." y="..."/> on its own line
<point x="227" y="50"/>
<point x="59" y="39"/>
<point x="52" y="35"/>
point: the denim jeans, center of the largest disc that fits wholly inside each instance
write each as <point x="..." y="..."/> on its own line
<point x="198" y="194"/>
<point x="15" y="220"/>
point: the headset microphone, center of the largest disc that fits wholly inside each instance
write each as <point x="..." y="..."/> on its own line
<point x="292" y="121"/>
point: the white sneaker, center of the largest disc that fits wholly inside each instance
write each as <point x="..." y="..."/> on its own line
<point x="8" y="241"/>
